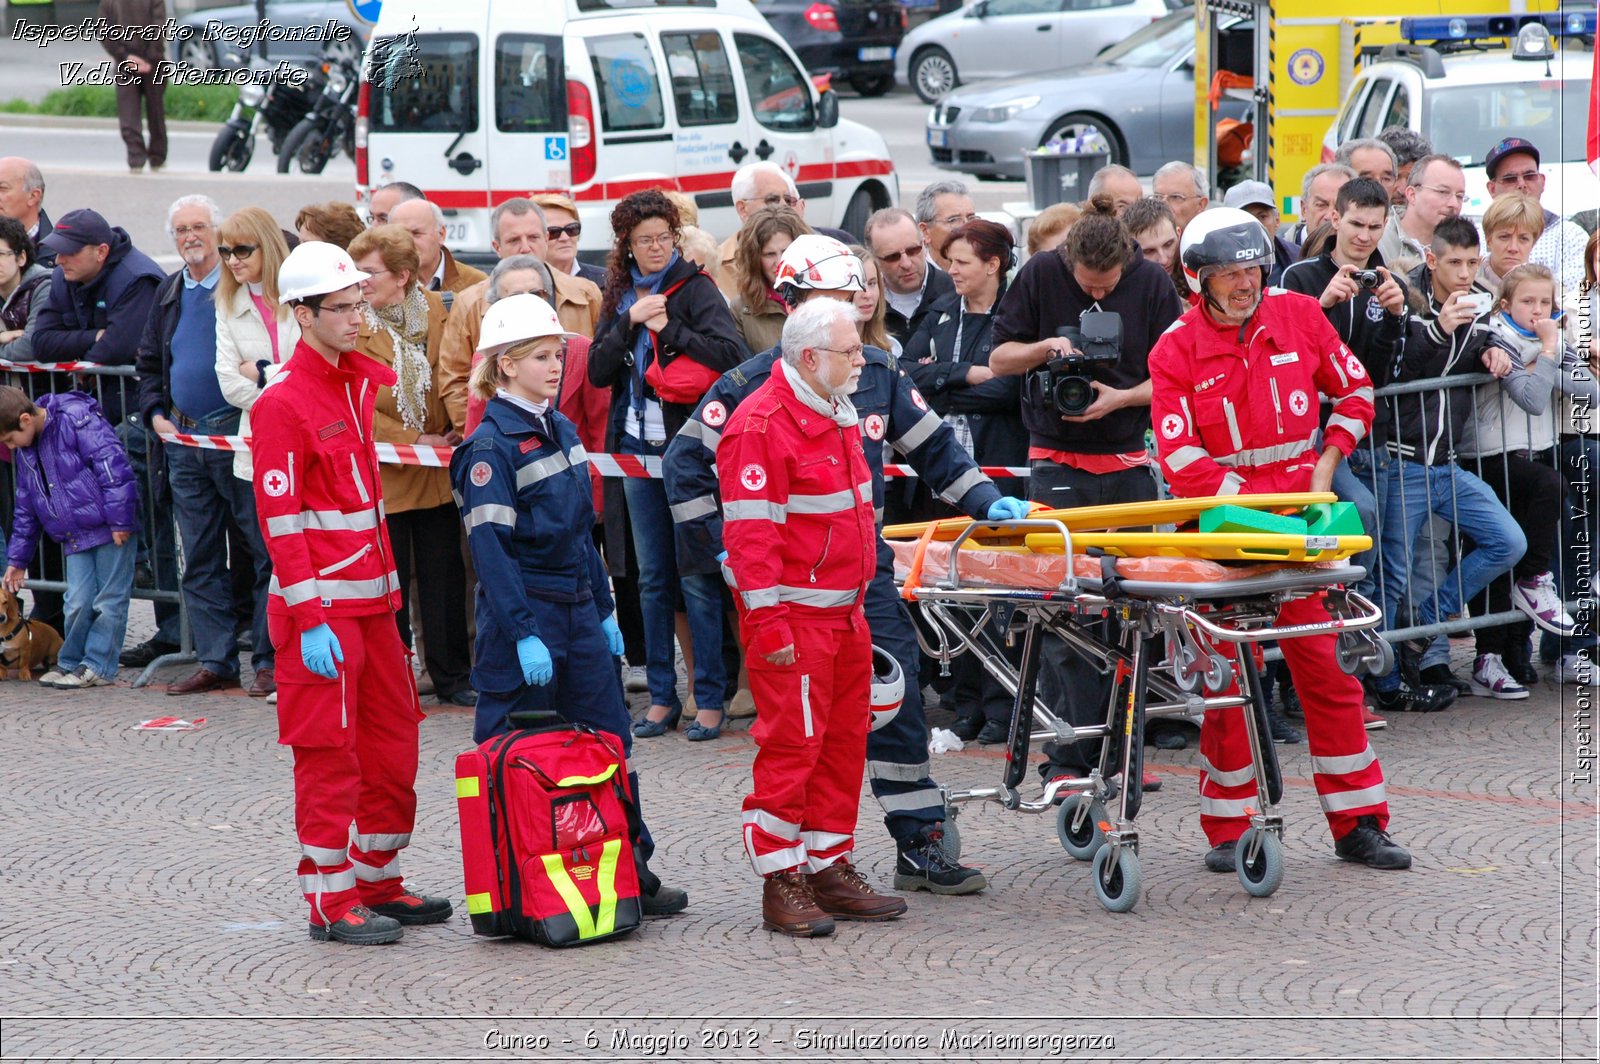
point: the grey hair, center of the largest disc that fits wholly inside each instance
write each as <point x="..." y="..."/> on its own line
<point x="511" y="265"/>
<point x="185" y="202"/>
<point x="1407" y="144"/>
<point x="1097" y="183"/>
<point x="1420" y="170"/>
<point x="517" y="206"/>
<point x="1342" y="169"/>
<point x="32" y="177"/>
<point x="932" y="192"/>
<point x="811" y="326"/>
<point x="743" y="186"/>
<point x="882" y="217"/>
<point x="407" y="191"/>
<point x="1350" y="147"/>
<point x="1189" y="170"/>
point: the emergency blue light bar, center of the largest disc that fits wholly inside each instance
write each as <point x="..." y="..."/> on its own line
<point x="1476" y="27"/>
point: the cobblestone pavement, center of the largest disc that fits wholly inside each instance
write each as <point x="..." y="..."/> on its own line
<point x="152" y="914"/>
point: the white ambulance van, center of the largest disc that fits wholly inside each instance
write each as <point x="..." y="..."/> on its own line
<point x="477" y="102"/>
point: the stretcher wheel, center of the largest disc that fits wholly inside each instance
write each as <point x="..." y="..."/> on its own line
<point x="1117" y="885"/>
<point x="1364" y="652"/>
<point x="952" y="834"/>
<point x="1384" y="660"/>
<point x="1219" y="673"/>
<point x="1085" y="840"/>
<point x="1185" y="671"/>
<point x="1264" y="875"/>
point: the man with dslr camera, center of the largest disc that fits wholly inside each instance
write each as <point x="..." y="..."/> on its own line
<point x="1093" y="451"/>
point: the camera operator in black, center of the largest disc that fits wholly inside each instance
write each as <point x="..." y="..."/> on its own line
<point x="1097" y="457"/>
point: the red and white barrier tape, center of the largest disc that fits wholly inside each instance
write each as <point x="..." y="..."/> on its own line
<point x="608" y="465"/>
<point x="58" y="367"/>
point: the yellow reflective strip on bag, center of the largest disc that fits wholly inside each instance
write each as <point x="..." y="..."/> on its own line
<point x="478" y="903"/>
<point x="586" y="781"/>
<point x="467" y="787"/>
<point x="570" y="895"/>
<point x="607" y="922"/>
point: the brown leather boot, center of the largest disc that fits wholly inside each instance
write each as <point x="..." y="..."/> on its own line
<point x="788" y="907"/>
<point x="844" y="894"/>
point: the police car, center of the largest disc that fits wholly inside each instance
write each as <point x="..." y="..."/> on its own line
<point x="477" y="102"/>
<point x="1465" y="91"/>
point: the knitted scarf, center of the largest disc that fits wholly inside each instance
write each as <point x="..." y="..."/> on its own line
<point x="406" y="322"/>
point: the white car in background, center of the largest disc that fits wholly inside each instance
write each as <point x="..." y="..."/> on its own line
<point x="1003" y="38"/>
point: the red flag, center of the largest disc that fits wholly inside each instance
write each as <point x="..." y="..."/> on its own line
<point x="1594" y="110"/>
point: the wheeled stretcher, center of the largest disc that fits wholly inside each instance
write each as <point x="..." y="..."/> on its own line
<point x="1187" y="640"/>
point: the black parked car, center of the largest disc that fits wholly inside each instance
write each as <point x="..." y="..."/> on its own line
<point x="850" y="39"/>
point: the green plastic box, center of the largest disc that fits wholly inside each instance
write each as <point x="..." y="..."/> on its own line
<point x="1240" y="519"/>
<point x="1333" y="519"/>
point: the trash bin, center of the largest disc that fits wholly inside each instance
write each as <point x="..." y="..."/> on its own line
<point x="1060" y="177"/>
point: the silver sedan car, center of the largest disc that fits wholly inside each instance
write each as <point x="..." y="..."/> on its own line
<point x="1135" y="102"/>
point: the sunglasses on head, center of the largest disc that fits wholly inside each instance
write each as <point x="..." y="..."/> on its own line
<point x="891" y="259"/>
<point x="572" y="229"/>
<point x="240" y="251"/>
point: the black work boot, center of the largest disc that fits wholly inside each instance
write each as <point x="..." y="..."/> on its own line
<point x="922" y="864"/>
<point x="1220" y="857"/>
<point x="360" y="927"/>
<point x="416" y="909"/>
<point x="1283" y="729"/>
<point x="655" y="898"/>
<point x="1368" y="844"/>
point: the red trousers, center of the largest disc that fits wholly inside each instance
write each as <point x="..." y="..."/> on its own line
<point x="811" y="750"/>
<point x="1348" y="778"/>
<point x="355" y="762"/>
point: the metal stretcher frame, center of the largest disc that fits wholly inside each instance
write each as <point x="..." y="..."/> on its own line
<point x="1211" y="633"/>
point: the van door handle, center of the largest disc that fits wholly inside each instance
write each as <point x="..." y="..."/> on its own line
<point x="764" y="150"/>
<point x="465" y="163"/>
<point x="737" y="152"/>
<point x="1044" y="29"/>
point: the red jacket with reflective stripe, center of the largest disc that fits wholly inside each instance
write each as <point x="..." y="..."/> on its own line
<point x="318" y="493"/>
<point x="1236" y="410"/>
<point x="798" y="523"/>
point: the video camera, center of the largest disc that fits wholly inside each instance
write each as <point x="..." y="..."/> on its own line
<point x="1062" y="383"/>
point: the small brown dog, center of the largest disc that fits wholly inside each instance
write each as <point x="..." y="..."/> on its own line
<point x="24" y="645"/>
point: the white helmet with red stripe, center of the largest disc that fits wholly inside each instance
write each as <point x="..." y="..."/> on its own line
<point x="888" y="688"/>
<point x="817" y="263"/>
<point x="515" y="319"/>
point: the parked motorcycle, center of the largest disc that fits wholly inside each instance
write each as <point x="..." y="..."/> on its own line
<point x="330" y="127"/>
<point x="278" y="104"/>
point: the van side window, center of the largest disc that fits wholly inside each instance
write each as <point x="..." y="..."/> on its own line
<point x="702" y="80"/>
<point x="780" y="95"/>
<point x="530" y="92"/>
<point x="630" y="94"/>
<point x="424" y="83"/>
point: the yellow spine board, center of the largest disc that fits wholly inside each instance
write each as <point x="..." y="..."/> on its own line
<point x="1214" y="546"/>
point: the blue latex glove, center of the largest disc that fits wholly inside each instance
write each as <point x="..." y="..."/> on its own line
<point x="1007" y="508"/>
<point x="613" y="635"/>
<point x="537" y="668"/>
<point x="722" y="556"/>
<point x="321" y="652"/>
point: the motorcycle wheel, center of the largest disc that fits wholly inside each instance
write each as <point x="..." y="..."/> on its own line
<point x="231" y="150"/>
<point x="306" y="145"/>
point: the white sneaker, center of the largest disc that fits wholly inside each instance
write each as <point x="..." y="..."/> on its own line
<point x="634" y="678"/>
<point x="52" y="678"/>
<point x="1576" y="669"/>
<point x="272" y="699"/>
<point x="84" y="677"/>
<point x="1538" y="599"/>
<point x="1491" y="680"/>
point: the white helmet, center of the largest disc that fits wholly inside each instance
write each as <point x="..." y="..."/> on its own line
<point x="1220" y="237"/>
<point x="817" y="263"/>
<point x="315" y="269"/>
<point x="517" y="318"/>
<point x="888" y="686"/>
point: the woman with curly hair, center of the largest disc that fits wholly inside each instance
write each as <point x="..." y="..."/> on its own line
<point x="758" y="309"/>
<point x="663" y="324"/>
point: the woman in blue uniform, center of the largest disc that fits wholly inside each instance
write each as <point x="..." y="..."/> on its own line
<point x="547" y="634"/>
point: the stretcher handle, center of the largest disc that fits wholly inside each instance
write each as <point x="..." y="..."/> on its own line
<point x="1369" y="617"/>
<point x="1069" y="584"/>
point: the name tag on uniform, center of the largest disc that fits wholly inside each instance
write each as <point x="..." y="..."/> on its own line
<point x="329" y="431"/>
<point x="1286" y="358"/>
<point x="529" y="444"/>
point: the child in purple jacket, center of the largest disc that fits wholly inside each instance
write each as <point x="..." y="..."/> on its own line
<point x="74" y="484"/>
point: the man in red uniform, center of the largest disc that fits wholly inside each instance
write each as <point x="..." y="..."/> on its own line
<point x="801" y="542"/>
<point x="347" y="702"/>
<point x="1235" y="383"/>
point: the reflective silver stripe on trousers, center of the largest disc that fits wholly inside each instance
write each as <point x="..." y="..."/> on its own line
<point x="1226" y="807"/>
<point x="775" y="861"/>
<point x="963" y="484"/>
<point x="326" y="856"/>
<point x="823" y="840"/>
<point x="818" y="864"/>
<point x="918" y="434"/>
<point x="772" y="825"/>
<point x="374" y="842"/>
<point x="1184" y="457"/>
<point x="832" y="503"/>
<point x="744" y="510"/>
<point x="1236" y="778"/>
<point x="704" y="506"/>
<point x="817" y="597"/>
<point x="368" y="874"/>
<point x="760" y="598"/>
<point x="1338" y="766"/>
<point x="1342" y="801"/>
<point x="328" y="882"/>
<point x="491" y="513"/>
<point x="544" y="468"/>
<point x="1280" y="452"/>
<point x="699" y="430"/>
<point x="895" y="772"/>
<point x="335" y="590"/>
<point x="911" y="801"/>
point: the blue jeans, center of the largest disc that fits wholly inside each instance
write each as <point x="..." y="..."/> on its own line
<point x="99" y="584"/>
<point x="206" y="499"/>
<point x="1359" y="480"/>
<point x="156" y="537"/>
<point x="651" y="521"/>
<point x="1416" y="490"/>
